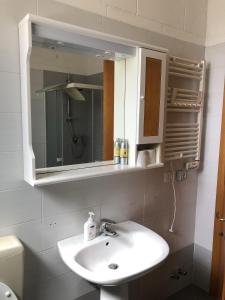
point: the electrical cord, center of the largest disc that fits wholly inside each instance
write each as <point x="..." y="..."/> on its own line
<point x="171" y="229"/>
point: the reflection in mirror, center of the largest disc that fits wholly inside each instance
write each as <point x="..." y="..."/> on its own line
<point x="77" y="105"/>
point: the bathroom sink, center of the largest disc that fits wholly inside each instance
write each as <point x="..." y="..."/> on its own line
<point x="112" y="261"/>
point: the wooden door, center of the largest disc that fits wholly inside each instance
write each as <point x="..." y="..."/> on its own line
<point x="152" y="81"/>
<point x="217" y="288"/>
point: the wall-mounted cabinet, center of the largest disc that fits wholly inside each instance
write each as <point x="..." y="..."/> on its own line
<point x="151" y="96"/>
<point x="81" y="90"/>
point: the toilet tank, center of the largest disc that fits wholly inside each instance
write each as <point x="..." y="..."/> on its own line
<point x="12" y="264"/>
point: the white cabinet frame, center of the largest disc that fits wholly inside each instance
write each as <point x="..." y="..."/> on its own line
<point x="103" y="40"/>
<point x="143" y="54"/>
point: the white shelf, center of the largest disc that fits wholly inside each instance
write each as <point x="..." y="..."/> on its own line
<point x="81" y="174"/>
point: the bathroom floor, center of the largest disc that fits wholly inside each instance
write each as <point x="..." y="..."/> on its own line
<point x="191" y="293"/>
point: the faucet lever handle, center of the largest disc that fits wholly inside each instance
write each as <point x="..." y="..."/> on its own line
<point x="108" y="221"/>
<point x="105" y="227"/>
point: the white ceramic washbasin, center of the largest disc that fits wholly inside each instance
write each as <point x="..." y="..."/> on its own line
<point x="135" y="251"/>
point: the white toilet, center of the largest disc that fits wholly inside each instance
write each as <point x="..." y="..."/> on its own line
<point x="11" y="268"/>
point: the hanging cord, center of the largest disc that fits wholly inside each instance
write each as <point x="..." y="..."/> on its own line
<point x="174" y="198"/>
<point x="124" y="97"/>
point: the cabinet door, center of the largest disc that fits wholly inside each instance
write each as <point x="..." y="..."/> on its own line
<point x="152" y="81"/>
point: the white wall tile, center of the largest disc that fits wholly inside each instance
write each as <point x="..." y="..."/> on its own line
<point x="59" y="227"/>
<point x="96" y="6"/>
<point x="50" y="265"/>
<point x="127" y="5"/>
<point x="9" y="61"/>
<point x="160" y="223"/>
<point x="29" y="233"/>
<point x="11" y="171"/>
<point x="61" y="198"/>
<point x="19" y="206"/>
<point x="157" y="199"/>
<point x="10" y="132"/>
<point x="165" y="12"/>
<point x="178" y="34"/>
<point x="66" y="13"/>
<point x="68" y="286"/>
<point x="123" y="209"/>
<point x="11" y="12"/>
<point x="10" y="92"/>
<point x="135" y="20"/>
<point x="195" y="17"/>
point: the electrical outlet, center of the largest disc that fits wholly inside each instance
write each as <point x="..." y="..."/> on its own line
<point x="174" y="276"/>
<point x="167" y="176"/>
<point x="191" y="165"/>
<point x="181" y="175"/>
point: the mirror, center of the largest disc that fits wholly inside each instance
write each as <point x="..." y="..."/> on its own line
<point x="77" y="104"/>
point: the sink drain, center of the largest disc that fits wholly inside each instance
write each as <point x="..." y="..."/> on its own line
<point x="113" y="266"/>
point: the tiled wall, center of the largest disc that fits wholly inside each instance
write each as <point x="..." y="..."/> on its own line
<point x="182" y="19"/>
<point x="41" y="217"/>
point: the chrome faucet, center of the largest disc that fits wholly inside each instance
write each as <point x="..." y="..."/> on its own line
<point x="106" y="228"/>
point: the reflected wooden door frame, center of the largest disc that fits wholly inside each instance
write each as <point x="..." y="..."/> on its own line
<point x="108" y="109"/>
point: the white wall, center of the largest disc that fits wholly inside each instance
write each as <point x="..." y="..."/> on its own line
<point x="207" y="179"/>
<point x="182" y="19"/>
<point x="215" y="57"/>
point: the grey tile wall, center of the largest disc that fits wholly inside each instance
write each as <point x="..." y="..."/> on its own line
<point x="202" y="267"/>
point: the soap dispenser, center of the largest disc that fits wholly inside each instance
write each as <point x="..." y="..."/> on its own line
<point x="90" y="228"/>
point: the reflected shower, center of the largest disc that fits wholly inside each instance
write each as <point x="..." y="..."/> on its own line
<point x="70" y="88"/>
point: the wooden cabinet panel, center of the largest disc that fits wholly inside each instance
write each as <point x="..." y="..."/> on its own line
<point x="152" y="84"/>
<point x="152" y="96"/>
<point x="108" y="109"/>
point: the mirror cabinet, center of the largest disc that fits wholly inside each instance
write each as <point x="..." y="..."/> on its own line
<point x="81" y="90"/>
<point x="152" y="78"/>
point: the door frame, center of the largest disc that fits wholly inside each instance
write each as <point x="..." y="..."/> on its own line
<point x="216" y="280"/>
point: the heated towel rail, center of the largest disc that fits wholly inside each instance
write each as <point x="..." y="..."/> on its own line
<point x="183" y="139"/>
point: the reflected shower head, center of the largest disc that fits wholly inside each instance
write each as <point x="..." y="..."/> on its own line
<point x="73" y="92"/>
<point x="68" y="87"/>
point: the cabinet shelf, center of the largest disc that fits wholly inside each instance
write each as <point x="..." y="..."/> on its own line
<point x="86" y="173"/>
